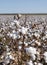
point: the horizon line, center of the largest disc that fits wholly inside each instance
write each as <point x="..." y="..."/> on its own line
<point x="23" y="13"/>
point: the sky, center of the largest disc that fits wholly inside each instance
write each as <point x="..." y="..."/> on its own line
<point x="23" y="6"/>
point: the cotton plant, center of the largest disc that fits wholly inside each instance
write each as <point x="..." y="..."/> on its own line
<point x="16" y="21"/>
<point x="23" y="31"/>
<point x="22" y="34"/>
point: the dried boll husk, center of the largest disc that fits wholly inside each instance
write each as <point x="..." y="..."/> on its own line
<point x="38" y="43"/>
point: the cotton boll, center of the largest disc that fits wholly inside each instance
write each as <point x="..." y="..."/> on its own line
<point x="11" y="34"/>
<point x="3" y="24"/>
<point x="2" y="56"/>
<point x="45" y="56"/>
<point x="24" y="30"/>
<point x="8" y="57"/>
<point x="37" y="53"/>
<point x="16" y="22"/>
<point x="33" y="56"/>
<point x="30" y="51"/>
<point x="26" y="44"/>
<point x="12" y="24"/>
<point x="46" y="32"/>
<point x="20" y="42"/>
<point x="19" y="47"/>
<point x="19" y="15"/>
<point x="13" y="31"/>
<point x="35" y="63"/>
<point x="30" y="63"/>
<point x="44" y="37"/>
<point x="4" y="38"/>
<point x="0" y="30"/>
<point x="36" y="34"/>
<point x="33" y="50"/>
<point x="7" y="49"/>
<point x="19" y="30"/>
<point x="6" y="61"/>
<point x="11" y="57"/>
<point x="8" y="53"/>
<point x="14" y="36"/>
<point x="40" y="64"/>
<point x="8" y="34"/>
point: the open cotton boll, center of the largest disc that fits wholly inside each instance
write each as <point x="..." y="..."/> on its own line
<point x="33" y="56"/>
<point x="46" y="32"/>
<point x="40" y="64"/>
<point x="11" y="57"/>
<point x="44" y="37"/>
<point x="26" y="44"/>
<point x="37" y="34"/>
<point x="30" y="63"/>
<point x="19" y="47"/>
<point x="7" y="59"/>
<point x="19" y="15"/>
<point x="11" y="34"/>
<point x="35" y="63"/>
<point x="16" y="22"/>
<point x="19" y="30"/>
<point x="12" y="24"/>
<point x="2" y="56"/>
<point x="45" y="56"/>
<point x="14" y="36"/>
<point x="13" y="31"/>
<point x="24" y="30"/>
<point x="20" y="42"/>
<point x="8" y="34"/>
<point x="30" y="51"/>
<point x="8" y="53"/>
<point x="7" y="48"/>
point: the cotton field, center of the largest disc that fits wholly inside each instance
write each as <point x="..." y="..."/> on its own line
<point x="23" y="39"/>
